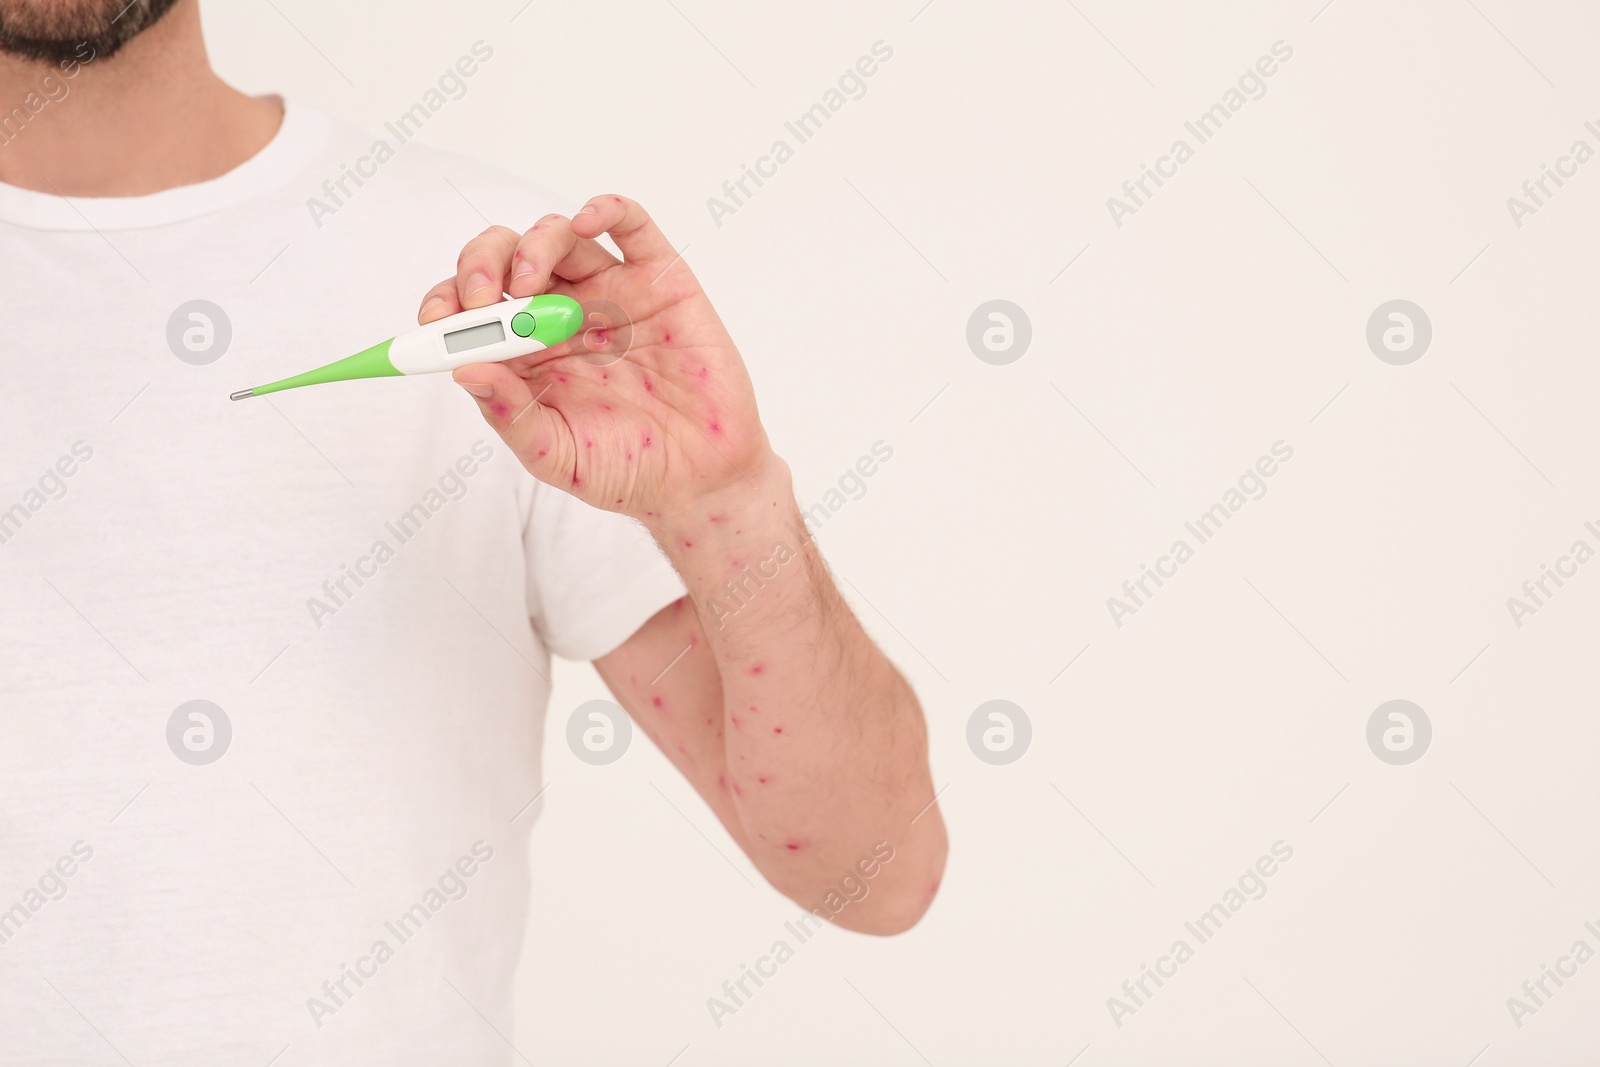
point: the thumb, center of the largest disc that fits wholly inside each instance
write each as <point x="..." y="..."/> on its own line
<point x="521" y="413"/>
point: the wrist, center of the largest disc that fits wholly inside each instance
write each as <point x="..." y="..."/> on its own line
<point x="759" y="499"/>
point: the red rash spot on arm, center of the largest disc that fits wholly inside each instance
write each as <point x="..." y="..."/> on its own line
<point x="688" y="544"/>
<point x="718" y="518"/>
<point x="541" y="453"/>
<point x="777" y="729"/>
<point x="757" y="669"/>
<point x="656" y="701"/>
<point x="793" y="846"/>
<point x="499" y="409"/>
<point x="763" y="781"/>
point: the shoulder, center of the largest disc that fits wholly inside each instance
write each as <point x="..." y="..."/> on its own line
<point x="394" y="163"/>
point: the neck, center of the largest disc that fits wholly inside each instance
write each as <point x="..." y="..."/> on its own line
<point x="152" y="117"/>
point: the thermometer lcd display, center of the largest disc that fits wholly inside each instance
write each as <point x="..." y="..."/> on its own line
<point x="472" y="337"/>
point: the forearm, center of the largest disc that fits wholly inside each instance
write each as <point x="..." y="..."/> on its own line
<point x="824" y="742"/>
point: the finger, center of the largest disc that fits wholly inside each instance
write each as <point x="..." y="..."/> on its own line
<point x="438" y="302"/>
<point x="482" y="267"/>
<point x="629" y="225"/>
<point x="535" y="431"/>
<point x="549" y="249"/>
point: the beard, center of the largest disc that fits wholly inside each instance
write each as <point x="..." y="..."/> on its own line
<point x="56" y="31"/>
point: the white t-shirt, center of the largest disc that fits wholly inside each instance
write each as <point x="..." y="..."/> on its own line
<point x="360" y="576"/>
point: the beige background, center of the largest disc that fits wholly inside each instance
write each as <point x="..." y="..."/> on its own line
<point x="1225" y="315"/>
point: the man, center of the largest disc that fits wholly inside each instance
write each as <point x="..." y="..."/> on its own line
<point x="271" y="673"/>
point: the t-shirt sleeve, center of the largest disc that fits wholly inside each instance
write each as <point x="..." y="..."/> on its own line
<point x="594" y="577"/>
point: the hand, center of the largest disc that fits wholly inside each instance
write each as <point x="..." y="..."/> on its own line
<point x="670" y="422"/>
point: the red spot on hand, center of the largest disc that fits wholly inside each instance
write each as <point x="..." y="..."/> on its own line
<point x="777" y="729"/>
<point x="715" y="428"/>
<point x="722" y="781"/>
<point x="737" y="791"/>
<point x="737" y="564"/>
<point x="499" y="409"/>
<point x="618" y="199"/>
<point x="793" y="846"/>
<point x="718" y="518"/>
<point x="755" y="709"/>
<point x="647" y="441"/>
<point x="588" y="442"/>
<point x="763" y="781"/>
<point x="649" y="386"/>
<point x="735" y="719"/>
<point x="576" y="480"/>
<point x="677" y="605"/>
<point x="704" y="373"/>
<point x="656" y="701"/>
<point x="668" y="337"/>
<point x="619" y="500"/>
<point x="688" y="544"/>
<point x="758" y="668"/>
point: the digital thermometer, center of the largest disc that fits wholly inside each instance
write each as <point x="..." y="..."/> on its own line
<point x="516" y="327"/>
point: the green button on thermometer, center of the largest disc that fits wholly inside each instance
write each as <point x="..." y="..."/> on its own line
<point x="517" y="327"/>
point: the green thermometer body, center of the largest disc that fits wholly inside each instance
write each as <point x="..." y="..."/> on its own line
<point x="516" y="327"/>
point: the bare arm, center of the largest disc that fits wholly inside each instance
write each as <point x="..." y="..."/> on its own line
<point x="796" y="729"/>
<point x="792" y="724"/>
